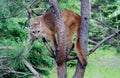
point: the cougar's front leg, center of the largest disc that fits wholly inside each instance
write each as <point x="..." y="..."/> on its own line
<point x="53" y="41"/>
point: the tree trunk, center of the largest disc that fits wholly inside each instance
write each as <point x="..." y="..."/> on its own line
<point x="61" y="48"/>
<point x="79" y="73"/>
<point x="83" y="37"/>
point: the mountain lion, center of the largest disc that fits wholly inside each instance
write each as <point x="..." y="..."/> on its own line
<point x="43" y="26"/>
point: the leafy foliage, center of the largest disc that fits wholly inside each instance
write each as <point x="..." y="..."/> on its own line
<point x="14" y="33"/>
<point x="107" y="12"/>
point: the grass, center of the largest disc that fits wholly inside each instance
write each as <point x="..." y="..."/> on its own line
<point x="102" y="64"/>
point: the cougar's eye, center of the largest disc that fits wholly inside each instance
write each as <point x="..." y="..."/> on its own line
<point x="38" y="31"/>
<point x="33" y="31"/>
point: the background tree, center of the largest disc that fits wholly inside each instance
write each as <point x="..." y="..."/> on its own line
<point x="83" y="37"/>
<point x="106" y="19"/>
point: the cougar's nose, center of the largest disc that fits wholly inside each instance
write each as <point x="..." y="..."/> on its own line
<point x="36" y="38"/>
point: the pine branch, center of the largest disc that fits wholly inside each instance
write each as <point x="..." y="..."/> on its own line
<point x="5" y="47"/>
<point x="102" y="41"/>
<point x="27" y="48"/>
<point x="103" y="24"/>
<point x="15" y="15"/>
<point x="20" y="73"/>
<point x="1" y="57"/>
<point x="35" y="73"/>
<point x="15" y="72"/>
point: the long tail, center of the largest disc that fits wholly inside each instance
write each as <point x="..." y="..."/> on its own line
<point x="80" y="52"/>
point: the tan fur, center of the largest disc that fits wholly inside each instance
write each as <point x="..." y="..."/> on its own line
<point x="43" y="26"/>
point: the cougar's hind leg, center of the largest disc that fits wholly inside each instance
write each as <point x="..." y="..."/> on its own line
<point x="80" y="53"/>
<point x="69" y="43"/>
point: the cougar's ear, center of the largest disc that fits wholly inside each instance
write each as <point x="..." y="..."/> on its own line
<point x="30" y="21"/>
<point x="40" y="24"/>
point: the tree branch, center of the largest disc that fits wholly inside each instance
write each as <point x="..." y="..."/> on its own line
<point x="5" y="47"/>
<point x="71" y="57"/>
<point x="48" y="47"/>
<point x="35" y="73"/>
<point x="102" y="41"/>
<point x="27" y="48"/>
<point x="15" y="72"/>
<point x="1" y="57"/>
<point x="104" y="24"/>
<point x="21" y="73"/>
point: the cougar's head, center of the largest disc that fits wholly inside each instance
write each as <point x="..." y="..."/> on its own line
<point x="36" y="30"/>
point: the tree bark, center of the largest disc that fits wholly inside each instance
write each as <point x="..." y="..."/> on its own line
<point x="79" y="73"/>
<point x="83" y="37"/>
<point x="61" y="48"/>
